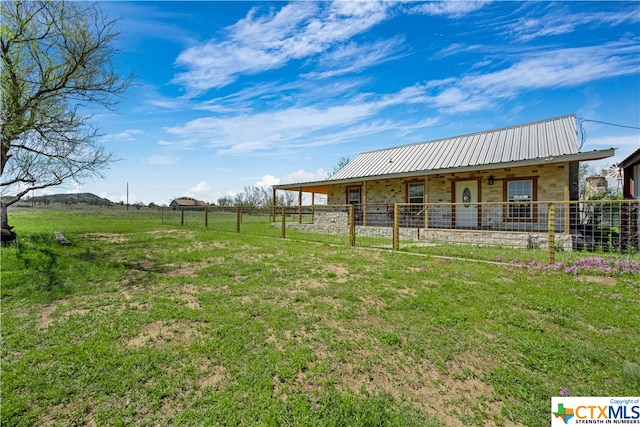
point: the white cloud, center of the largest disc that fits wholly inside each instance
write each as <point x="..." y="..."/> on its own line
<point x="353" y="58"/>
<point x="296" y="127"/>
<point x="559" y="22"/>
<point x="451" y="8"/>
<point x="268" y="181"/>
<point x="201" y="191"/>
<point x="302" y="175"/>
<point x="127" y="135"/>
<point x="541" y="70"/>
<point x="267" y="41"/>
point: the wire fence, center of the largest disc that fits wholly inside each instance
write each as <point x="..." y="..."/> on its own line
<point x="547" y="232"/>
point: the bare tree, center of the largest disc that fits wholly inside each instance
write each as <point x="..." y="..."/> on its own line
<point x="56" y="65"/>
<point x="344" y="161"/>
<point x="225" y="201"/>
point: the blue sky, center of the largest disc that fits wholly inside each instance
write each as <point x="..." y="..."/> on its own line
<point x="236" y="94"/>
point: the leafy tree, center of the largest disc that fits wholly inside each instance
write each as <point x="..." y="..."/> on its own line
<point x="56" y="66"/>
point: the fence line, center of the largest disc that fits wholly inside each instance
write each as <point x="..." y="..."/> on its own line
<point x="546" y="230"/>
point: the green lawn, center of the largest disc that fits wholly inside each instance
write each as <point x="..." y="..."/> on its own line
<point x="150" y="324"/>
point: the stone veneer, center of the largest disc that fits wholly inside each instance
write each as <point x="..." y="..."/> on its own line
<point x="336" y="222"/>
<point x="380" y="195"/>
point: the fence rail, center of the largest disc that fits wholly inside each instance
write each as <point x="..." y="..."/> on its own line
<point x="496" y="231"/>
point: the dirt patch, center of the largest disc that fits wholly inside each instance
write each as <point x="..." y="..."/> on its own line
<point x="309" y="283"/>
<point x="45" y="318"/>
<point x="188" y="295"/>
<point x="370" y="301"/>
<point x="145" y="265"/>
<point x="163" y="334"/>
<point x="407" y="292"/>
<point x="336" y="273"/>
<point x="171" y="234"/>
<point x="213" y="376"/>
<point x="602" y="280"/>
<point x="449" y="395"/>
<point x="184" y="270"/>
<point x="107" y="237"/>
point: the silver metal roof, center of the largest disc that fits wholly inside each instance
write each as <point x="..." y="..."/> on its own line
<point x="547" y="141"/>
<point x="543" y="139"/>
<point x="538" y="140"/>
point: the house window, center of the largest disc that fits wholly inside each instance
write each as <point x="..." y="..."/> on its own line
<point x="415" y="192"/>
<point x="518" y="193"/>
<point x="353" y="195"/>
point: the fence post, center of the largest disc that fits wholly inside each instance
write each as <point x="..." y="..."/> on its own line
<point x="551" y="238"/>
<point x="162" y="215"/>
<point x="181" y="216"/>
<point x="396" y="226"/>
<point x="284" y="221"/>
<point x="352" y="225"/>
<point x="206" y="216"/>
<point x="238" y="215"/>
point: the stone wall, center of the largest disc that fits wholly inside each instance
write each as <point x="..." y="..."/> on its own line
<point x="380" y="195"/>
<point x="337" y="222"/>
<point x="551" y="185"/>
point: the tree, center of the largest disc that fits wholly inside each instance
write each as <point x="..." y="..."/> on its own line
<point x="56" y="66"/>
<point x="344" y="161"/>
<point x="225" y="201"/>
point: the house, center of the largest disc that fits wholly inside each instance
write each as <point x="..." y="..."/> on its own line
<point x="187" y="204"/>
<point x="630" y="215"/>
<point x="631" y="173"/>
<point x="458" y="177"/>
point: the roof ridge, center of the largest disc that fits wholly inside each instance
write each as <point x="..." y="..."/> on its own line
<point x="470" y="134"/>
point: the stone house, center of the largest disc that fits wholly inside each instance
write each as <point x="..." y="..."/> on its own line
<point x="460" y="177"/>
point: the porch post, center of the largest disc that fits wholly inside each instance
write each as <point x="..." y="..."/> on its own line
<point x="567" y="198"/>
<point x="273" y="205"/>
<point x="364" y="202"/>
<point x="396" y="227"/>
<point x="551" y="241"/>
<point x="352" y="225"/>
<point x="300" y="205"/>
<point x="426" y="201"/>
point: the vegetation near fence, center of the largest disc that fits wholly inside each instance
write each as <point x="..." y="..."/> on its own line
<point x="547" y="232"/>
<point x="142" y="323"/>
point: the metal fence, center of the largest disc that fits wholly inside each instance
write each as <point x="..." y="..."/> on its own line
<point x="545" y="231"/>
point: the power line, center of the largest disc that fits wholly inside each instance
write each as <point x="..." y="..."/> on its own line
<point x="584" y="132"/>
<point x="607" y="123"/>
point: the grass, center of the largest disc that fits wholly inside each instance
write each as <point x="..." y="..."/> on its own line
<point x="150" y="324"/>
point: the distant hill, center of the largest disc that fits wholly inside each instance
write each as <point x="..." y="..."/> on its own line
<point x="87" y="198"/>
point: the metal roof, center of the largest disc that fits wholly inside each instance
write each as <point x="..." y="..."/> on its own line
<point x="538" y="140"/>
<point x="631" y="160"/>
<point x="548" y="141"/>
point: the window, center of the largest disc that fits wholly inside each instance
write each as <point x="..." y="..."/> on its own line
<point x="415" y="192"/>
<point x="353" y="195"/>
<point x="520" y="191"/>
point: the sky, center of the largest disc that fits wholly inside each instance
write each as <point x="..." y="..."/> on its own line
<point x="234" y="94"/>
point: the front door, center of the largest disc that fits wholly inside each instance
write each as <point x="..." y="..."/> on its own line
<point x="466" y="208"/>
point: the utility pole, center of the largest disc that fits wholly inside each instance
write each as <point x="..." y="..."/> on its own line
<point x="127" y="197"/>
